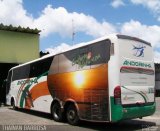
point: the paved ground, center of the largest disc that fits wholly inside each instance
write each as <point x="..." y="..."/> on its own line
<point x="34" y="121"/>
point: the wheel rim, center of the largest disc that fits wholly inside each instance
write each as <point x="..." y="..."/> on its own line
<point x="56" y="112"/>
<point x="71" y="115"/>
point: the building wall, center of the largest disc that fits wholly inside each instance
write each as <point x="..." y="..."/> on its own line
<point x="18" y="47"/>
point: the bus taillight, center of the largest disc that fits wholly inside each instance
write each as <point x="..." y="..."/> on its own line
<point x="117" y="95"/>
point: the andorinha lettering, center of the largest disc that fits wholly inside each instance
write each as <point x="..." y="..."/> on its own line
<point x="22" y="82"/>
<point x="135" y="63"/>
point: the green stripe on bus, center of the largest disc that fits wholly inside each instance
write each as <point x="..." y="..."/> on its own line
<point x="116" y="111"/>
<point x="119" y="113"/>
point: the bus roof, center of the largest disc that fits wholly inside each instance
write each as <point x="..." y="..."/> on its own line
<point x="133" y="38"/>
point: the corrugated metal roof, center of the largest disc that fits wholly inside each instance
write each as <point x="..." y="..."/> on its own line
<point x="19" y="29"/>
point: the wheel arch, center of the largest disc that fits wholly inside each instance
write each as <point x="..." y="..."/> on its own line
<point x="65" y="105"/>
<point x="69" y="102"/>
<point x="53" y="102"/>
<point x="13" y="101"/>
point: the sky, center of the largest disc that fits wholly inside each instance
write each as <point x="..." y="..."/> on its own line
<point x="88" y="19"/>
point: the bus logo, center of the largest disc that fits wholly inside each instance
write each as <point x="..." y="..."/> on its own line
<point x="138" y="50"/>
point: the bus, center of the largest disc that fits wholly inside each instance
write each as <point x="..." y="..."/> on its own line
<point x="107" y="80"/>
<point x="157" y="80"/>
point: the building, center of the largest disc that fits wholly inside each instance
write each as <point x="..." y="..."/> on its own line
<point x="17" y="45"/>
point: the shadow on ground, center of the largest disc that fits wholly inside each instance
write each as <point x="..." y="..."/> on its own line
<point x="127" y="125"/>
<point x="35" y="113"/>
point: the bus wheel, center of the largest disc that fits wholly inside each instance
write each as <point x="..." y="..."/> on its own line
<point x="72" y="115"/>
<point x="13" y="104"/>
<point x="56" y="112"/>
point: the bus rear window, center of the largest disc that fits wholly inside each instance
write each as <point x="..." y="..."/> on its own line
<point x="137" y="70"/>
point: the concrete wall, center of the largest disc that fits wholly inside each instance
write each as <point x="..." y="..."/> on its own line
<point x="18" y="47"/>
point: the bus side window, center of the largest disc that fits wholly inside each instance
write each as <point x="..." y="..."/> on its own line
<point x="54" y="65"/>
<point x="83" y="58"/>
<point x="36" y="69"/>
<point x="46" y="63"/>
<point x="40" y="68"/>
<point x="33" y="70"/>
<point x="100" y="53"/>
<point x="21" y="72"/>
<point x="67" y="61"/>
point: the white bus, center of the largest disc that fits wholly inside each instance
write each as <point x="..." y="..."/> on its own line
<point x="108" y="79"/>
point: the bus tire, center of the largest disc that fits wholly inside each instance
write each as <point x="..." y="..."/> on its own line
<point x="72" y="115"/>
<point x="56" y="112"/>
<point x="13" y="104"/>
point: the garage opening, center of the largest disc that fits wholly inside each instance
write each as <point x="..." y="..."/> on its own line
<point x="4" y="68"/>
